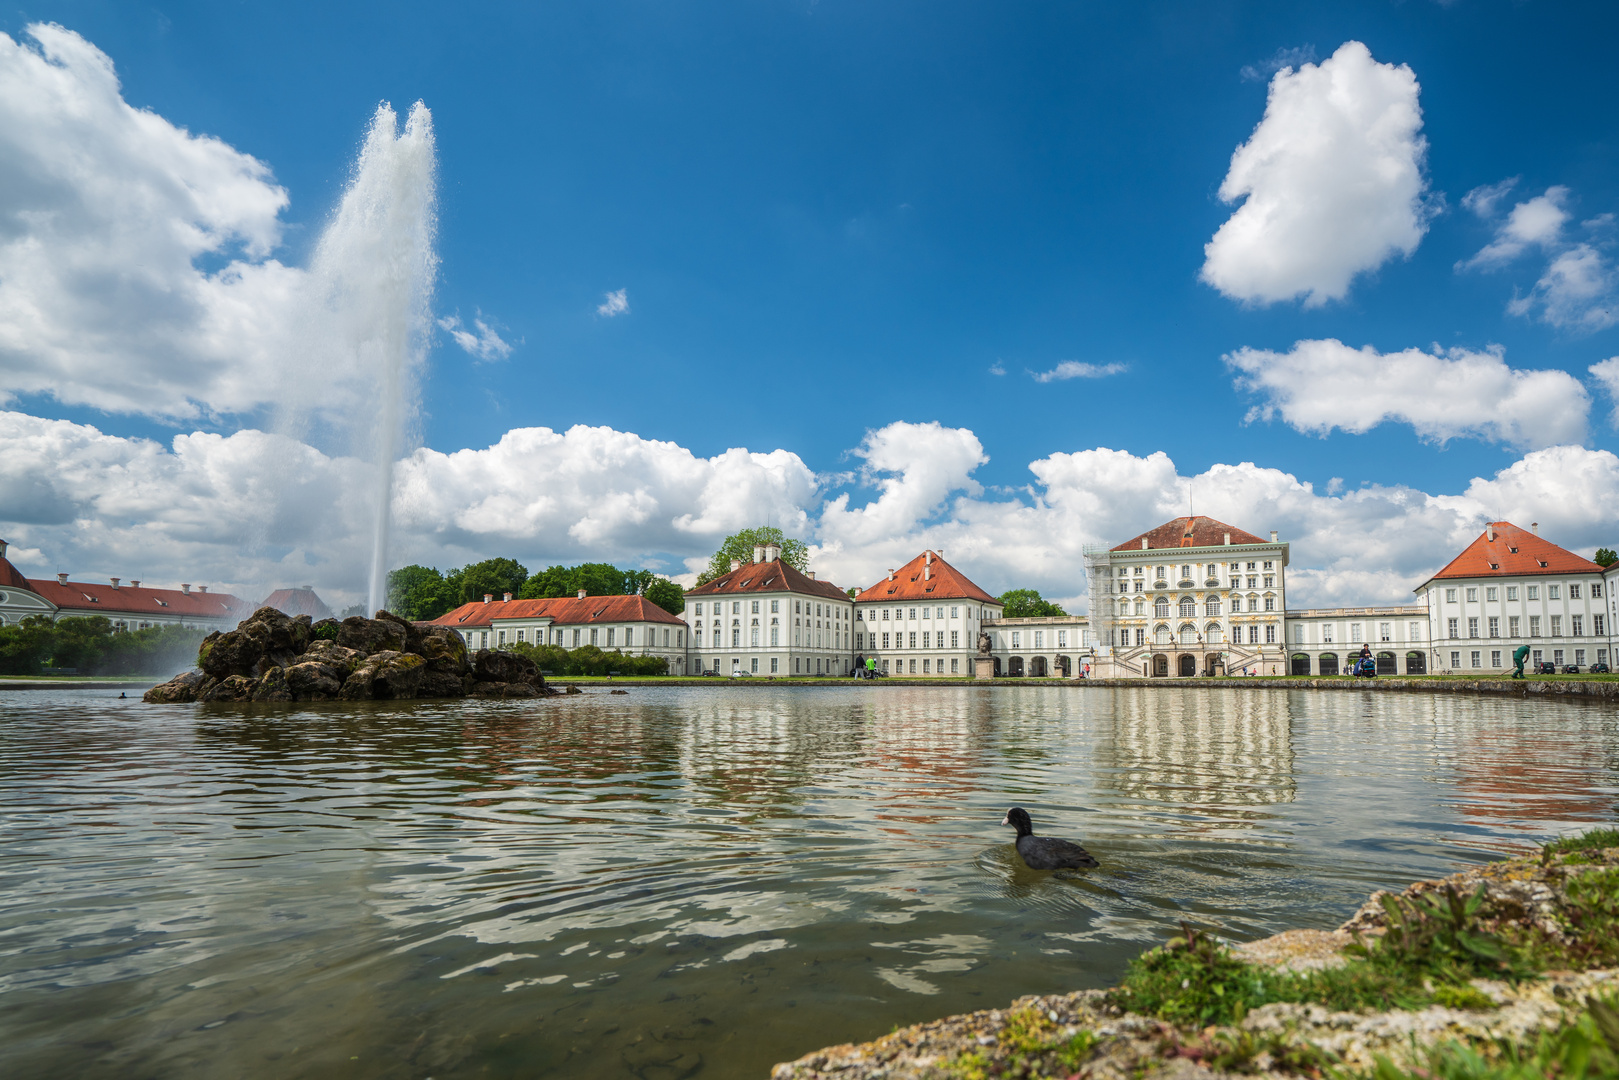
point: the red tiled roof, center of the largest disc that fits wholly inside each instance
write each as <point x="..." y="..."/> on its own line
<point x="775" y="576"/>
<point x="128" y="600"/>
<point x="297" y="602"/>
<point x="1190" y="532"/>
<point x="11" y="577"/>
<point x="1514" y="552"/>
<point x="920" y="580"/>
<point x="569" y="610"/>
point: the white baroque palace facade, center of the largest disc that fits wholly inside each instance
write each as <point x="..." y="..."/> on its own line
<point x="127" y="605"/>
<point x="766" y="618"/>
<point x="1193" y="596"/>
<point x="632" y="625"/>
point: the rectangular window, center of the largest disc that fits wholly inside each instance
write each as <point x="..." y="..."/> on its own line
<point x="774" y="660"/>
<point x="629" y="636"/>
<point x="1472" y="596"/>
<point x="755" y="610"/>
<point x="1534" y="657"/>
<point x="736" y="607"/>
<point x="1596" y="590"/>
<point x="1576" y="625"/>
<point x="927" y="666"/>
<point x="576" y="634"/>
<point x="1532" y="592"/>
<point x="1270" y="581"/>
<point x="775" y="639"/>
<point x="1512" y="592"/>
<point x="1495" y="658"/>
<point x="1478" y="661"/>
<point x="1579" y="657"/>
<point x="1326" y="633"/>
<point x="593" y="635"/>
<point x="1253" y="635"/>
<point x="1472" y="626"/>
<point x="1534" y="626"/>
<point x="1354" y="632"/>
<point x="1039" y="639"/>
<point x="754" y="665"/>
<point x="955" y="613"/>
<point x="697" y="610"/>
<point x="955" y="665"/>
<point x="519" y="635"/>
<point x="736" y="638"/>
<point x="913" y="614"/>
<point x="1385" y="631"/>
<point x="913" y="665"/>
<point x="1270" y="633"/>
<point x="1557" y="626"/>
<point x="1452" y="625"/>
<point x="955" y="639"/>
<point x="610" y="636"/>
<point x="913" y="640"/>
<point x="1495" y="626"/>
<point x="939" y="613"/>
<point x="1596" y="625"/>
<point x="1557" y="657"/>
<point x="1574" y="591"/>
<point x="1141" y="636"/>
<point x="1015" y="636"/>
<point x="1298" y="634"/>
<point x="775" y="607"/>
<point x="1512" y="626"/>
<point x="1062" y="639"/>
<point x="1489" y="594"/>
<point x="1450" y="596"/>
<point x="500" y="637"/>
<point x="885" y="641"/>
<point x="1455" y="660"/>
<point x="1554" y="592"/>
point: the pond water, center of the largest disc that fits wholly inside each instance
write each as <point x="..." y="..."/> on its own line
<point x="695" y="882"/>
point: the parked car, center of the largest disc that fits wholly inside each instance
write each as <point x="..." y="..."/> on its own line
<point x="1571" y="669"/>
<point x="1546" y="667"/>
<point x="1599" y="669"/>
<point x="740" y="674"/>
<point x="708" y="674"/>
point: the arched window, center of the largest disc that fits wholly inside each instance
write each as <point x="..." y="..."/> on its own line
<point x="1188" y="634"/>
<point x="1161" y="635"/>
<point x="1212" y="634"/>
<point x="1160" y="607"/>
<point x="1188" y="606"/>
<point x="1211" y="606"/>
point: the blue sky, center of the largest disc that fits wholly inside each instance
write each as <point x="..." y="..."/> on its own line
<point x="830" y="217"/>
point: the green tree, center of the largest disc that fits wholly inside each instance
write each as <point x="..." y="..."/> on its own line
<point x="492" y="577"/>
<point x="1605" y="557"/>
<point x="419" y="593"/>
<point x="667" y="595"/>
<point x="1027" y="604"/>
<point x="597" y="579"/>
<point x="739" y="546"/>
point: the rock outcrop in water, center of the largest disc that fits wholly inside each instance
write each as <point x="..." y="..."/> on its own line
<point x="271" y="657"/>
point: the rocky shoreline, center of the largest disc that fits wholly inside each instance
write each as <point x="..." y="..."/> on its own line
<point x="271" y="657"/>
<point x="1542" y="979"/>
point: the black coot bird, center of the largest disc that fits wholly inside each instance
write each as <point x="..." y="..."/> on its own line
<point x="1045" y="852"/>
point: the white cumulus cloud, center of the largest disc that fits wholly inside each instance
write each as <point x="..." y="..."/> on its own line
<point x="1318" y="386"/>
<point x="1607" y="373"/>
<point x="1579" y="288"/>
<point x="1579" y="291"/>
<point x="251" y="511"/>
<point x="482" y="341"/>
<point x="1537" y="221"/>
<point x="1078" y="369"/>
<point x="1333" y="182"/>
<point x="616" y="303"/>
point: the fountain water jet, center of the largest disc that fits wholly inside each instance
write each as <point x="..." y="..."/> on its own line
<point x="368" y="313"/>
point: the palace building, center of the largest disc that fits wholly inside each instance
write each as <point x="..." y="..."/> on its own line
<point x="127" y="606"/>
<point x="766" y="618"/>
<point x="627" y="624"/>
<point x="924" y="618"/>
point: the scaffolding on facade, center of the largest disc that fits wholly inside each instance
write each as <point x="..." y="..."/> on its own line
<point x="1099" y="581"/>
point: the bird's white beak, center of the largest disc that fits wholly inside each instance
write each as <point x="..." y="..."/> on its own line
<point x="1007" y="820"/>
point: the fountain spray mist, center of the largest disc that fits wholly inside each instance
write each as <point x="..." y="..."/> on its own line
<point x="372" y="281"/>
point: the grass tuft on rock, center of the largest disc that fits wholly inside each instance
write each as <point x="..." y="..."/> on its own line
<point x="1586" y="841"/>
<point x="1586" y="1049"/>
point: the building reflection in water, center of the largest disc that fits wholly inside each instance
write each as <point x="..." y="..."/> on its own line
<point x="1222" y="753"/>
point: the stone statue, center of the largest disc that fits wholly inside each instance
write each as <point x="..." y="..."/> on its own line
<point x="984" y="645"/>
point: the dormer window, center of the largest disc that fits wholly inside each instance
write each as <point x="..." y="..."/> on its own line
<point x="1513" y="550"/>
<point x="1542" y="563"/>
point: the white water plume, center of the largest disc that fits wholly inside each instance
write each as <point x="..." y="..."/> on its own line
<point x="360" y="335"/>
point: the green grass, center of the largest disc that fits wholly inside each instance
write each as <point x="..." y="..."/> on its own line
<point x="1595" y="838"/>
<point x="1586" y="1048"/>
<point x="1031" y="1046"/>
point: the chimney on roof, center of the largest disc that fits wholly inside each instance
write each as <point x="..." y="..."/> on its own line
<point x="2" y="549"/>
<point x="488" y="597"/>
<point x="186" y="589"/>
<point x="1534" y="527"/>
<point x="940" y="553"/>
<point x="736" y="564"/>
<point x="858" y="590"/>
<point x="1227" y="539"/>
<point x="1489" y="531"/>
<point x="929" y="555"/>
<point x="135" y="583"/>
<point x="772" y="552"/>
<point x="114" y="581"/>
<point x="758" y="553"/>
<point x="927" y="572"/>
<point x="1143" y="543"/>
<point x="506" y="597"/>
<point x="811" y="574"/>
<point x="890" y="573"/>
<point x="581" y="594"/>
<point x="1273" y="536"/>
<point x="202" y="589"/>
<point x="61" y="579"/>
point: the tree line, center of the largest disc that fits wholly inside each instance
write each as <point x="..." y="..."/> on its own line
<point x="88" y="646"/>
<point x="420" y="593"/>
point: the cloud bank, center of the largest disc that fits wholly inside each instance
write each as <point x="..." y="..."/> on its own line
<point x="221" y="510"/>
<point x="1321" y="386"/>
<point x="1333" y="182"/>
